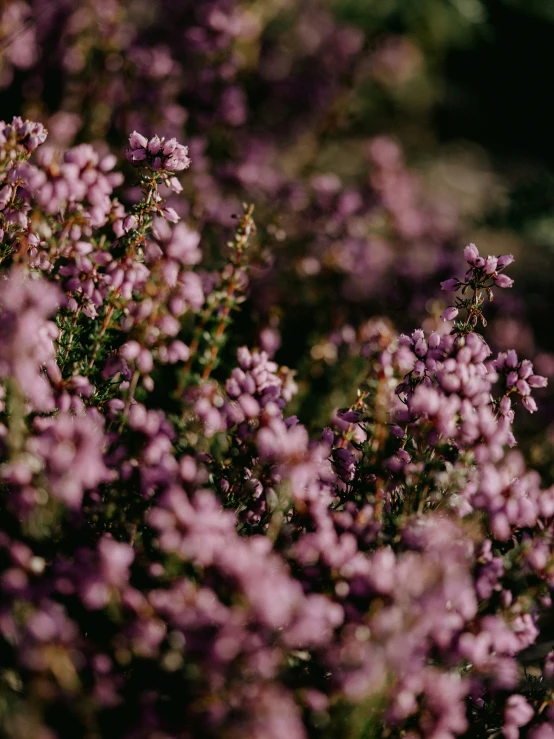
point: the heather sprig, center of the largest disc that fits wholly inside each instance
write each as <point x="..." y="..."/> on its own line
<point x="19" y="139"/>
<point x="158" y="155"/>
<point x="129" y="272"/>
<point x="480" y="278"/>
<point x="225" y="297"/>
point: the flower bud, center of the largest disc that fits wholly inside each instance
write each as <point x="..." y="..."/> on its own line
<point x="450" y="313"/>
<point x="537" y="381"/>
<point x="504" y="261"/>
<point x="129" y="223"/>
<point x="450" y="285"/>
<point x="503" y="281"/>
<point x="471" y="253"/>
<point x="138" y="141"/>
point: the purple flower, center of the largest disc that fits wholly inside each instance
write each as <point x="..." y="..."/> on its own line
<point x="178" y="160"/>
<point x="158" y="154"/>
<point x="471" y="254"/>
<point x="169" y="146"/>
<point x="26" y="336"/>
<point x="70" y="449"/>
<point x="129" y="223"/>
<point x="116" y="558"/>
<point x="434" y="340"/>
<point x="503" y="281"/>
<point x="535" y="381"/>
<point x="450" y="285"/>
<point x="516" y="713"/>
<point x="171" y="215"/>
<point x="403" y="456"/>
<point x="529" y="403"/>
<point x="449" y="314"/>
<point x="523" y="387"/>
<point x="138" y="141"/>
<point x="504" y="261"/>
<point x="154" y="145"/>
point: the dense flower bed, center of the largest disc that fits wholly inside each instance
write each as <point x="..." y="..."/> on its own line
<point x="195" y="539"/>
<point x="180" y="557"/>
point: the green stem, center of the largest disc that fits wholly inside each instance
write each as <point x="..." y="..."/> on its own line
<point x="130" y="396"/>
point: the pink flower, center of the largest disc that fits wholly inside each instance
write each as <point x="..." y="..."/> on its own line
<point x="136" y="155"/>
<point x="159" y="154"/>
<point x="129" y="223"/>
<point x="154" y="145"/>
<point x="504" y="261"/>
<point x="537" y="381"/>
<point x="171" y="215"/>
<point x="450" y="313"/>
<point x="529" y="404"/>
<point x="503" y="281"/>
<point x="450" y="285"/>
<point x="138" y="141"/>
<point x="517" y="712"/>
<point x="471" y="254"/>
<point x="403" y="456"/>
<point x="169" y="146"/>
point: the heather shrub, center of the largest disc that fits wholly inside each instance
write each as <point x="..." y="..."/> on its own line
<point x="181" y="556"/>
<point x="275" y="457"/>
<point x="318" y="112"/>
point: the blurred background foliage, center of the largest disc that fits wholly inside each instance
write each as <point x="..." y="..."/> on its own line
<point x="280" y="101"/>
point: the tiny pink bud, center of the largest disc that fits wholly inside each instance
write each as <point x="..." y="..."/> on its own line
<point x="517" y="712"/>
<point x="504" y="261"/>
<point x="505" y="405"/>
<point x="108" y="162"/>
<point x="171" y="215"/>
<point x="503" y="281"/>
<point x="511" y="378"/>
<point x="434" y="340"/>
<point x="136" y="155"/>
<point x="169" y="146"/>
<point x="129" y="223"/>
<point x="137" y="141"/>
<point x="471" y="253"/>
<point x="450" y="285"/>
<point x="154" y="145"/>
<point x="174" y="184"/>
<point x="537" y="381"/>
<point x="529" y="403"/>
<point x="144" y="361"/>
<point x="525" y="369"/>
<point x="450" y="313"/>
<point x="511" y="358"/>
<point x="130" y="350"/>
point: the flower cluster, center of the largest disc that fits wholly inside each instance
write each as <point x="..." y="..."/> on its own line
<point x="483" y="274"/>
<point x="20" y="137"/>
<point x="157" y="153"/>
